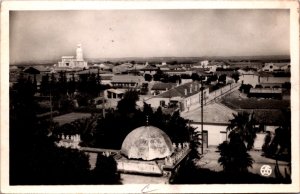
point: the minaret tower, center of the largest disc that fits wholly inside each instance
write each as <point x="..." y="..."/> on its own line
<point x="79" y="53"/>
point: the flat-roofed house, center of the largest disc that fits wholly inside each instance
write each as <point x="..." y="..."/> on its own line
<point x="127" y="81"/>
<point x="161" y="87"/>
<point x="149" y="69"/>
<point x="266" y="93"/>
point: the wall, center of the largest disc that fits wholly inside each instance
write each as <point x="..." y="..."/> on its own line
<point x="194" y="101"/>
<point x="215" y="137"/>
<point x="251" y="79"/>
<point x="274" y="79"/>
<point x="138" y="167"/>
<point x="216" y="134"/>
<point x="155" y="101"/>
<point x="218" y="93"/>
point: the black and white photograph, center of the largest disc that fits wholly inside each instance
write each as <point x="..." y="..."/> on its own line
<point x="178" y="95"/>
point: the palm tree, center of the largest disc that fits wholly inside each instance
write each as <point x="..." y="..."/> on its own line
<point x="234" y="157"/>
<point x="243" y="125"/>
<point x="195" y="143"/>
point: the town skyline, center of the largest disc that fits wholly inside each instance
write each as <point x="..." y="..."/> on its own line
<point x="48" y="35"/>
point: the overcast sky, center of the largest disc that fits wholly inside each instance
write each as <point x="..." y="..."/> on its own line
<point x="48" y="35"/>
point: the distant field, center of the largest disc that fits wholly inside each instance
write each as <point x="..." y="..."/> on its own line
<point x="254" y="103"/>
<point x="266" y="111"/>
<point x="70" y="117"/>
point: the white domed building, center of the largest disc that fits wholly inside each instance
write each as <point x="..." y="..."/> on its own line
<point x="148" y="155"/>
<point x="147" y="143"/>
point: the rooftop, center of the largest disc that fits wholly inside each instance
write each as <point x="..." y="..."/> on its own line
<point x="147" y="143"/>
<point x="184" y="90"/>
<point x="212" y="113"/>
<point x="127" y="78"/>
<point x="163" y="86"/>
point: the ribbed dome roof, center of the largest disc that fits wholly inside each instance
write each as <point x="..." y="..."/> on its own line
<point x="147" y="143"/>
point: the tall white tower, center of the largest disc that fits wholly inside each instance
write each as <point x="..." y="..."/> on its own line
<point x="79" y="53"/>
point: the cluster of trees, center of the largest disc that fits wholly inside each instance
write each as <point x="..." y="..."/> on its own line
<point x="34" y="158"/>
<point x="242" y="134"/>
<point x="160" y="76"/>
<point x="64" y="91"/>
<point x="112" y="130"/>
<point x="245" y="88"/>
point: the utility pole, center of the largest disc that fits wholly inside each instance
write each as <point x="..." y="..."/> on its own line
<point x="51" y="117"/>
<point x="202" y="143"/>
<point x="103" y="105"/>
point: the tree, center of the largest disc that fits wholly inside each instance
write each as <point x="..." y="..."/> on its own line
<point x="105" y="171"/>
<point x="45" y="84"/>
<point x="233" y="155"/>
<point x="243" y="125"/>
<point x="61" y="166"/>
<point x="195" y="143"/>
<point x="286" y="85"/>
<point x="86" y="127"/>
<point x="222" y="78"/>
<point x="211" y="78"/>
<point x="195" y="77"/>
<point x="148" y="77"/>
<point x="185" y="76"/>
<point x="245" y="88"/>
<point x="147" y="110"/>
<point x="174" y="79"/>
<point x="128" y="103"/>
<point x="280" y="146"/>
<point x="177" y="128"/>
<point x="159" y="75"/>
<point x="34" y="158"/>
<point x="235" y="76"/>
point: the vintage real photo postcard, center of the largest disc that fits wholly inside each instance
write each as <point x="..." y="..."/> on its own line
<point x="150" y="97"/>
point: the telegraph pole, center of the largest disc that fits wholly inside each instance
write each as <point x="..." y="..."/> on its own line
<point x="51" y="116"/>
<point x="103" y="105"/>
<point x="202" y="143"/>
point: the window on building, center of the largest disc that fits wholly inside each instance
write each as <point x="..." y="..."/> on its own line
<point x="162" y="103"/>
<point x="108" y="94"/>
<point x="67" y="64"/>
<point x="271" y="66"/>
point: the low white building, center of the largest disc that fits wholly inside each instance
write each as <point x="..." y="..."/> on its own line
<point x="271" y="67"/>
<point x="127" y="81"/>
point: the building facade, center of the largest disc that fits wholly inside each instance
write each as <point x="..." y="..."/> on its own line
<point x="73" y="62"/>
